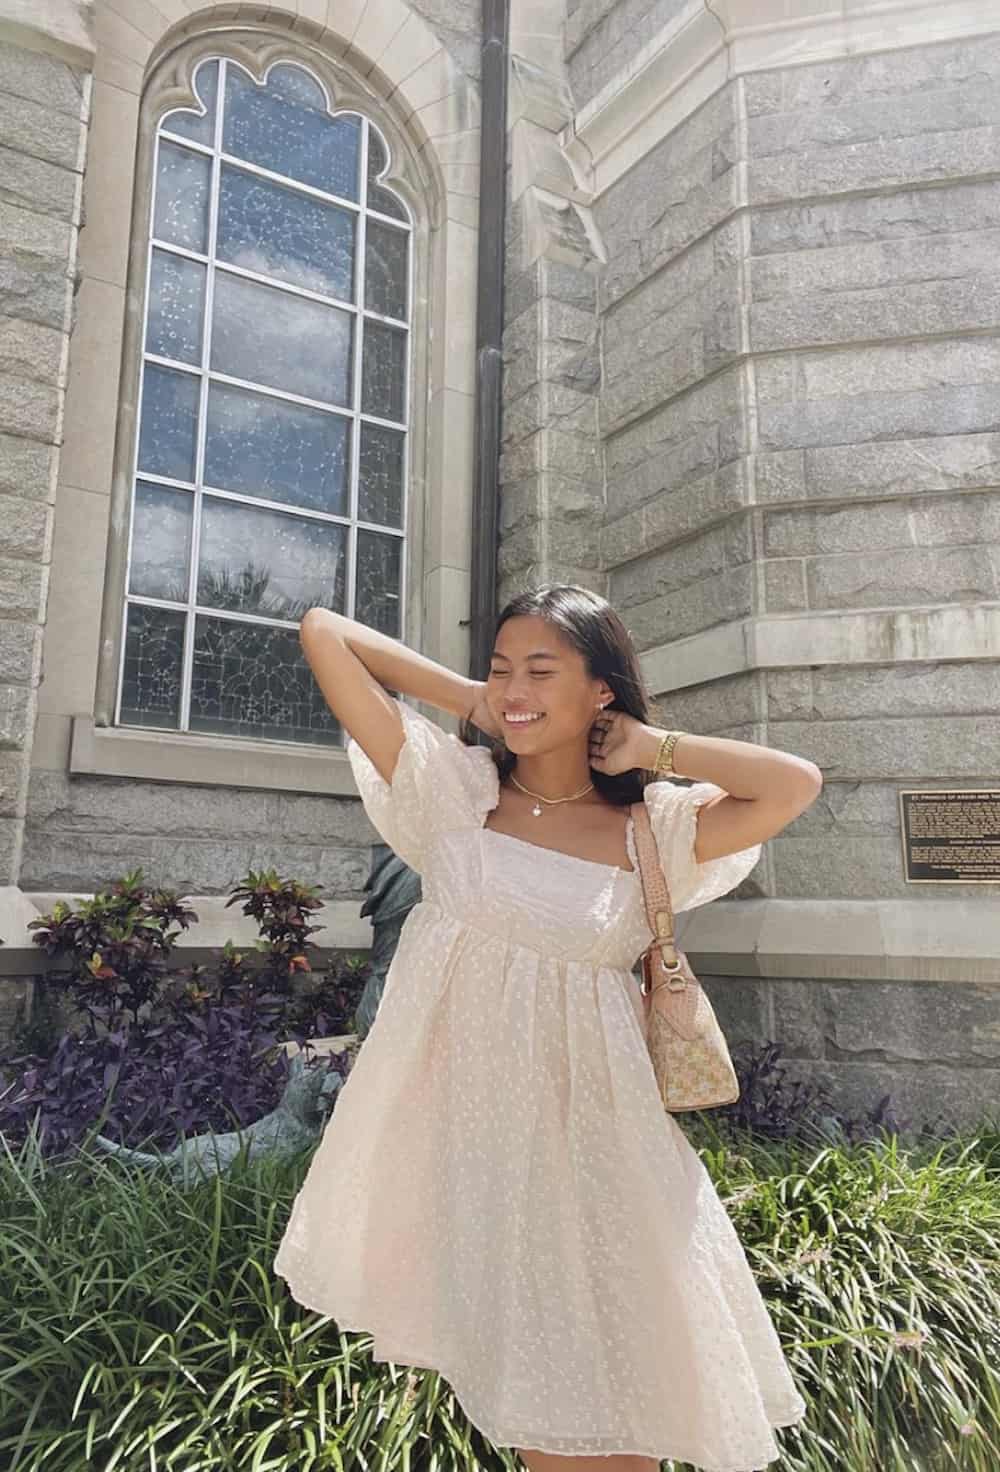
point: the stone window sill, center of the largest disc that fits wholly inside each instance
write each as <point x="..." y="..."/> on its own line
<point x="215" y="761"/>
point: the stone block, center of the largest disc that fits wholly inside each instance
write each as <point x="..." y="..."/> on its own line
<point x="22" y="586"/>
<point x="910" y="310"/>
<point x="16" y="708"/>
<point x="944" y="1098"/>
<point x="930" y="690"/>
<point x="655" y="378"/>
<point x="785" y="585"/>
<point x="952" y="1025"/>
<point x="35" y="129"/>
<point x="887" y="163"/>
<point x="18" y="652"/>
<point x="34" y="293"/>
<point x="856" y="418"/>
<point x="742" y="1007"/>
<point x="14" y="771"/>
<point x="695" y="505"/>
<point x="31" y="409"/>
<point x="913" y="575"/>
<point x="942" y="462"/>
<point x="35" y="184"/>
<point x="668" y="464"/>
<point x="715" y="704"/>
<point x="698" y="606"/>
<point x="23" y="529"/>
<point x="664" y="572"/>
<point x="31" y="350"/>
<point x="906" y="751"/>
<point x="46" y="80"/>
<point x="797" y="1017"/>
<point x="26" y="467"/>
<point x="909" y="217"/>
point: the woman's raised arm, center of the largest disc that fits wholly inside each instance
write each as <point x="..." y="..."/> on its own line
<point x="354" y="663"/>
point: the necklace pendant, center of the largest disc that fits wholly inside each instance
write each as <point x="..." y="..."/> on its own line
<point x="537" y="810"/>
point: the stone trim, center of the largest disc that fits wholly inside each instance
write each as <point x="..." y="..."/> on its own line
<point x="907" y="940"/>
<point x="882" y="636"/>
<point x="710" y="41"/>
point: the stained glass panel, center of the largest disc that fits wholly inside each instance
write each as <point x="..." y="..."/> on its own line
<point x="253" y="560"/>
<point x="251" y="680"/>
<point x="383" y="371"/>
<point x="378" y="582"/>
<point x="276" y="450"/>
<point x="151" y="684"/>
<point x="380" y="475"/>
<point x="275" y="231"/>
<point x="167" y="422"/>
<point x="180" y="216"/>
<point x="380" y="198"/>
<point x="176" y="307"/>
<point x="386" y="261"/>
<point x="285" y="127"/>
<point x="283" y="341"/>
<point x="161" y="542"/>
<point x="187" y="123"/>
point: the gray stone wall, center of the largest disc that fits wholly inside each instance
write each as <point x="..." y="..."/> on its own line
<point x="43" y="117"/>
<point x="603" y="36"/>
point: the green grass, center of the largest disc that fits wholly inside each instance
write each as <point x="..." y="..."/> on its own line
<point x="143" y="1327"/>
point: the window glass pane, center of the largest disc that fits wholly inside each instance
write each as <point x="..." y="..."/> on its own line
<point x="267" y="228"/>
<point x="379" y="198"/>
<point x="180" y="216"/>
<point x="386" y="256"/>
<point x="268" y="336"/>
<point x="167" y="422"/>
<point x="265" y="562"/>
<point x="176" y="307"/>
<point x="151" y="685"/>
<point x="286" y="128"/>
<point x="161" y="542"/>
<point x="249" y="680"/>
<point x="383" y="372"/>
<point x="380" y="475"/>
<point x="187" y="123"/>
<point x="377" y="599"/>
<point x="276" y="450"/>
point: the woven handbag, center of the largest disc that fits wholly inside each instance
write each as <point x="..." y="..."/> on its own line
<point x="686" y="1044"/>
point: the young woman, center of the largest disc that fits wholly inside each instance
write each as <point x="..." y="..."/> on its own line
<point x="499" y="1193"/>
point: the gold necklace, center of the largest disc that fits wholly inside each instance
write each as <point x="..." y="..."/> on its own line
<point x="536" y="810"/>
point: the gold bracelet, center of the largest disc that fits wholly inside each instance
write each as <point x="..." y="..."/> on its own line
<point x="664" y="762"/>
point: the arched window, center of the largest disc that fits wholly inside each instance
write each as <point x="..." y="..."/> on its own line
<point x="270" y="449"/>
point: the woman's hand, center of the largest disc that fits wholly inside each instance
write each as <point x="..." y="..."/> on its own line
<point x="480" y="715"/>
<point x="619" y="743"/>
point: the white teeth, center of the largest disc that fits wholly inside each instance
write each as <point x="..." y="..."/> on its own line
<point x="523" y="720"/>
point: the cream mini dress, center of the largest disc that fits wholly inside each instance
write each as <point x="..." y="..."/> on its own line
<point x="499" y="1194"/>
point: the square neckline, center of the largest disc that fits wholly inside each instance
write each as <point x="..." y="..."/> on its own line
<point x="574" y="858"/>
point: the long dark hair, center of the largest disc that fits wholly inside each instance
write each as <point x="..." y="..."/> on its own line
<point x="594" y="628"/>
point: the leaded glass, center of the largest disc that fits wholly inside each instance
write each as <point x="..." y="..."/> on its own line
<point x="276" y="450"/>
<point x="386" y="265"/>
<point x="176" y="307"/>
<point x="251" y="680"/>
<point x="151" y="682"/>
<point x="378" y="198"/>
<point x="377" y="598"/>
<point x="380" y="475"/>
<point x="383" y="371"/>
<point x="280" y="232"/>
<point x="253" y="560"/>
<point x="187" y="123"/>
<point x="161" y="542"/>
<point x="285" y="127"/>
<point x="284" y="341"/>
<point x="182" y="185"/>
<point x="167" y="422"/>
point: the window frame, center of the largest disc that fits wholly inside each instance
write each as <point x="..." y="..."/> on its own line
<point x="169" y="87"/>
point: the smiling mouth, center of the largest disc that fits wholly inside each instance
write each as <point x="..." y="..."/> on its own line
<point x="533" y="721"/>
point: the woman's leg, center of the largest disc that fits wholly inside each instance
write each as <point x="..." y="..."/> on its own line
<point x="551" y="1462"/>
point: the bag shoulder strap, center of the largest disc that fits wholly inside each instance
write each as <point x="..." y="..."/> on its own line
<point x="655" y="889"/>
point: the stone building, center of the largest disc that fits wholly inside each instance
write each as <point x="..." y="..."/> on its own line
<point x="750" y="391"/>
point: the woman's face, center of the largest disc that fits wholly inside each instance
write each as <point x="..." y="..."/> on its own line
<point x="536" y="671"/>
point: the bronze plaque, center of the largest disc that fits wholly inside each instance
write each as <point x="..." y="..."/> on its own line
<point x="951" y="836"/>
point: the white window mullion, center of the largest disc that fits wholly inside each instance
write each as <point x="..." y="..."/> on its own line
<point x="351" y="588"/>
<point x="187" y="664"/>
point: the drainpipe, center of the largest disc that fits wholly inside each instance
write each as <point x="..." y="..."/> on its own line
<point x="489" y="335"/>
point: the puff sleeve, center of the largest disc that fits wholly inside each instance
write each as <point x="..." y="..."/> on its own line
<point x="673" y="811"/>
<point x="438" y="783"/>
